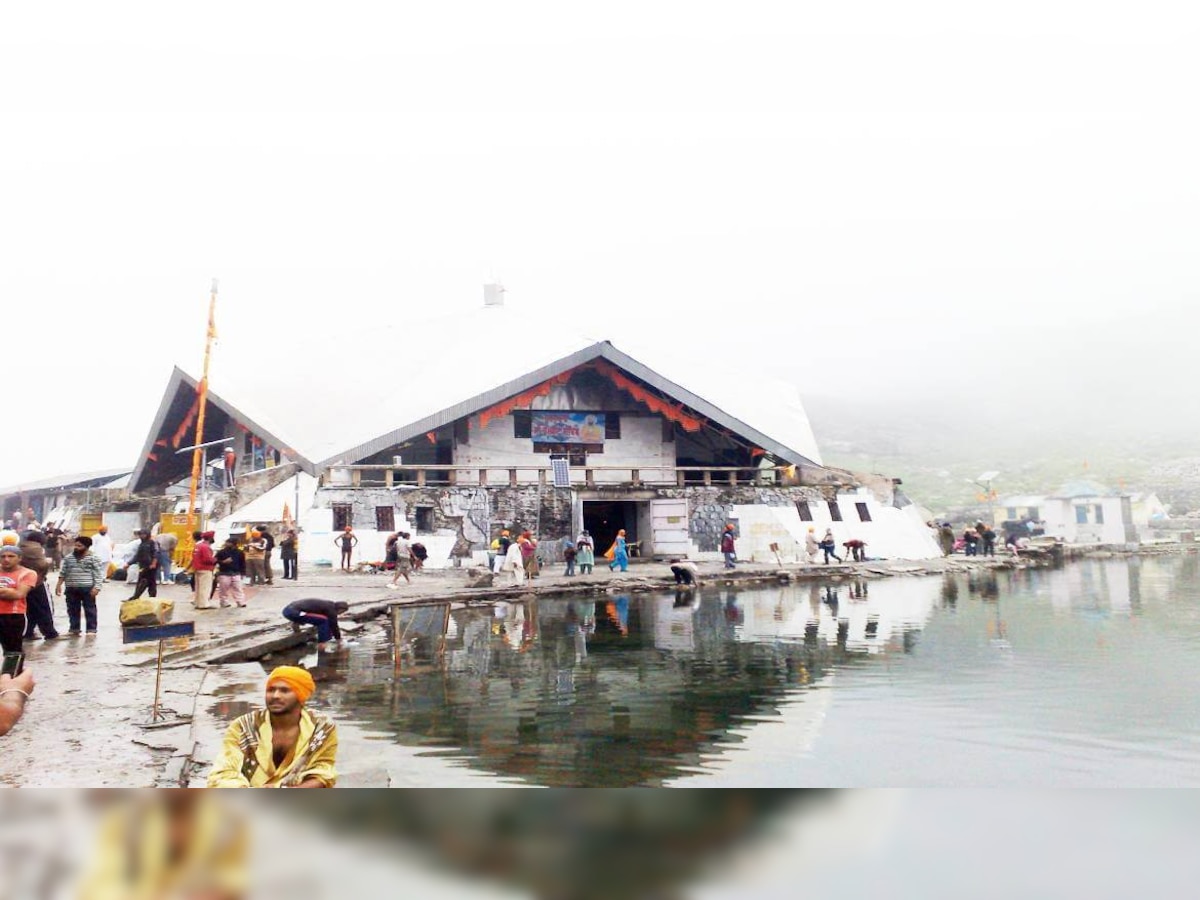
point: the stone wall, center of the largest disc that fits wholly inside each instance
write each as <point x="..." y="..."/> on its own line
<point x="710" y="508"/>
<point x="477" y="514"/>
<point x="248" y="487"/>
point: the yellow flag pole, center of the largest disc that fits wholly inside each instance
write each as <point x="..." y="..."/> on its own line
<point x="202" y="392"/>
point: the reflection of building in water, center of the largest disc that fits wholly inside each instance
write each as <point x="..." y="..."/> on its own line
<point x="1104" y="586"/>
<point x="841" y="614"/>
<point x="622" y="690"/>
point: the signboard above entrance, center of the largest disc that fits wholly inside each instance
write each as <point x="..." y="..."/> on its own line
<point x="567" y="428"/>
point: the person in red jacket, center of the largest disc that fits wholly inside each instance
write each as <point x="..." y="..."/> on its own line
<point x="15" y="584"/>
<point x="204" y="561"/>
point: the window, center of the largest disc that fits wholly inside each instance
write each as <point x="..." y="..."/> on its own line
<point x="424" y="517"/>
<point x="835" y="511"/>
<point x="805" y="512"/>
<point x="1035" y="514"/>
<point x="1081" y="515"/>
<point x="864" y="514"/>
<point x="612" y="427"/>
<point x="522" y="423"/>
<point x="343" y="515"/>
<point x="1012" y="513"/>
<point x="1099" y="514"/>
<point x="385" y="518"/>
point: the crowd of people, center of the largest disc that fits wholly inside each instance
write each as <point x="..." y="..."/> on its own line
<point x="978" y="539"/>
<point x="283" y="745"/>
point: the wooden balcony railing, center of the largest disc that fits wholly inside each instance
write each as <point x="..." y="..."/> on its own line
<point x="581" y="476"/>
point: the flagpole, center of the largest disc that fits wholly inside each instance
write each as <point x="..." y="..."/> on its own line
<point x="202" y="393"/>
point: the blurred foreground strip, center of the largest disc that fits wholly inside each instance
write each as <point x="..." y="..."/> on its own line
<point x="210" y="845"/>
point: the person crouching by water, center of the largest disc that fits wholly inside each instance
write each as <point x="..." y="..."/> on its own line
<point x="856" y="549"/>
<point x="282" y="746"/>
<point x="685" y="571"/>
<point x="321" y="613"/>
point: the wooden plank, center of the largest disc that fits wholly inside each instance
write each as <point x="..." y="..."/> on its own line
<point x="420" y="478"/>
<point x="387" y="478"/>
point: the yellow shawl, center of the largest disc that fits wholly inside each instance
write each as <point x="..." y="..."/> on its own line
<point x="246" y="759"/>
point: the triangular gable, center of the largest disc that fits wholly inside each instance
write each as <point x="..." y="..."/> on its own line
<point x="174" y="426"/>
<point x="683" y="408"/>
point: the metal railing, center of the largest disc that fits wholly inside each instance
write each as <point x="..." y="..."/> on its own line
<point x="389" y="476"/>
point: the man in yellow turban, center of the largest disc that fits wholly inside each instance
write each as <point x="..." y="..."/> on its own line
<point x="282" y="746"/>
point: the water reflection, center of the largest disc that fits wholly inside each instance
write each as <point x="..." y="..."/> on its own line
<point x="1073" y="676"/>
<point x="613" y="691"/>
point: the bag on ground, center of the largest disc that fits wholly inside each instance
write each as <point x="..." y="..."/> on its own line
<point x="145" y="612"/>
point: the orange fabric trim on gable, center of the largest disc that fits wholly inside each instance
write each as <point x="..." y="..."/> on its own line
<point x="524" y="400"/>
<point x="650" y="400"/>
<point x="188" y="419"/>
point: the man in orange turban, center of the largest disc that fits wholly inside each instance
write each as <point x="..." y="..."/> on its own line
<point x="284" y="745"/>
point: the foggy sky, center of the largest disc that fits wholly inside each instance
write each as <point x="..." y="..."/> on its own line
<point x="882" y="198"/>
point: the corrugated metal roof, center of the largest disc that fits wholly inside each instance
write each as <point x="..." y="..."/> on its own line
<point x="64" y="481"/>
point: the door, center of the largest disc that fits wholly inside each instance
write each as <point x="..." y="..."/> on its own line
<point x="669" y="531"/>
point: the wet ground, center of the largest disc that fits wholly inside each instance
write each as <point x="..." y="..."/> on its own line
<point x="982" y="677"/>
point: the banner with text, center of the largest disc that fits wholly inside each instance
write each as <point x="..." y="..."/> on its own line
<point x="568" y="428"/>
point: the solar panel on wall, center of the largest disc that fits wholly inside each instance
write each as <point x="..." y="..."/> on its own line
<point x="562" y="471"/>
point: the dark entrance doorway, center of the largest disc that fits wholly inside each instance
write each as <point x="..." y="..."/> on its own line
<point x="604" y="518"/>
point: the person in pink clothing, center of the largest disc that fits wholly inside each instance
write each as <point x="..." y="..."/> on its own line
<point x="231" y="566"/>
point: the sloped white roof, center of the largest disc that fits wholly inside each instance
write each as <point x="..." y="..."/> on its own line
<point x="761" y="401"/>
<point x="269" y="506"/>
<point x="65" y="481"/>
<point x="398" y="374"/>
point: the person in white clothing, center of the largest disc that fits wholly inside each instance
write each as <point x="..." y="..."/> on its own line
<point x="515" y="563"/>
<point x="102" y="549"/>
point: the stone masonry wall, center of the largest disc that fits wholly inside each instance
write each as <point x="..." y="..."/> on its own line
<point x="477" y="514"/>
<point x="709" y="508"/>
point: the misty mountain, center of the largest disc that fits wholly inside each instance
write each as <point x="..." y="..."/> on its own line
<point x="1034" y="435"/>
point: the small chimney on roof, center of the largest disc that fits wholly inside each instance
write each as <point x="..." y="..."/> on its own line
<point x="493" y="295"/>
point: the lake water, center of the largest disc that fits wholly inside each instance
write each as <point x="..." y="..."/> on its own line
<point x="1083" y="676"/>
